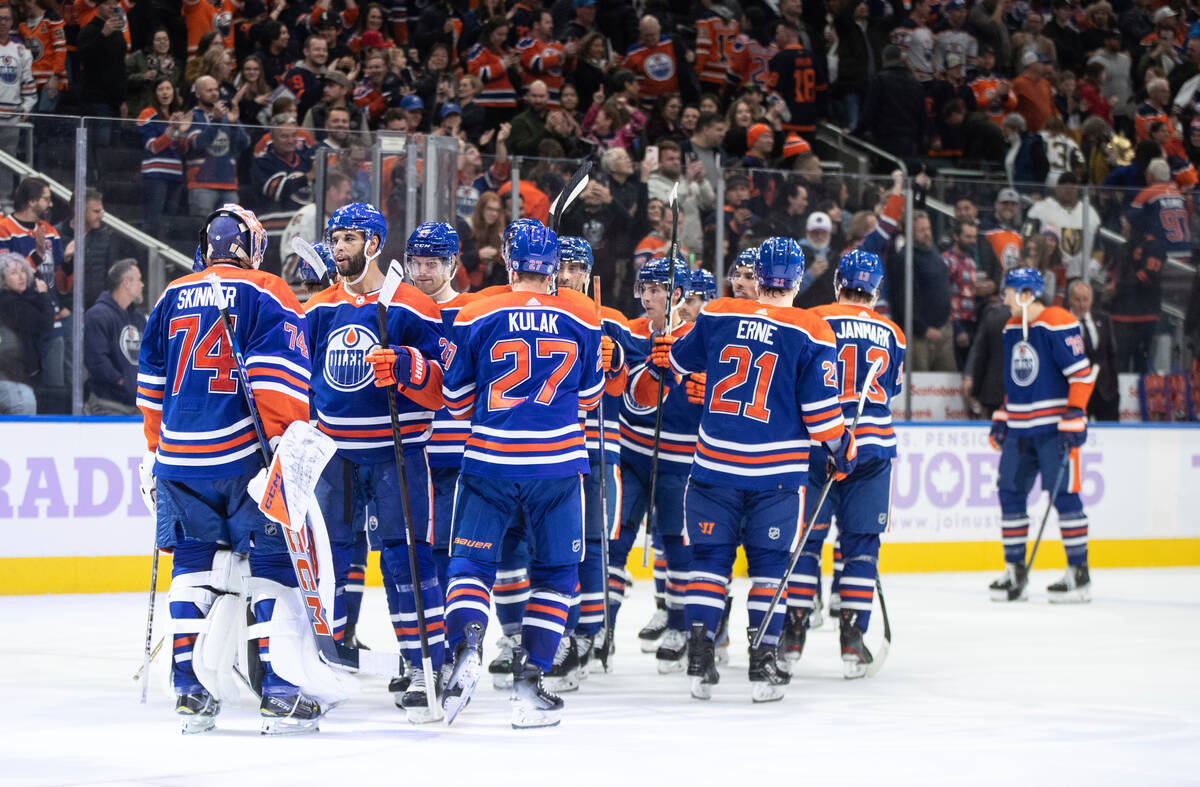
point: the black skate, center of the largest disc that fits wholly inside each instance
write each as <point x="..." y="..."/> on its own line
<point x="350" y="637"/>
<point x="532" y="705"/>
<point x="501" y="666"/>
<point x="767" y="676"/>
<point x="290" y="714"/>
<point x="583" y="649"/>
<point x="795" y="633"/>
<point x="603" y="649"/>
<point x="397" y="686"/>
<point x="702" y="667"/>
<point x="1013" y="586"/>
<point x="721" y="643"/>
<point x="564" y="672"/>
<point x="1074" y="588"/>
<point x="468" y="666"/>
<point x="672" y="652"/>
<point x="197" y="710"/>
<point x="415" y="701"/>
<point x="856" y="658"/>
<point x="653" y="631"/>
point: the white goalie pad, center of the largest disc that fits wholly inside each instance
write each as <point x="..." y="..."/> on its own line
<point x="217" y="593"/>
<point x="292" y="652"/>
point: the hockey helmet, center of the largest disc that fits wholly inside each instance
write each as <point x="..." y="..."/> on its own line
<point x="859" y="270"/>
<point x="231" y="233"/>
<point x="574" y="249"/>
<point x="702" y="283"/>
<point x="780" y="263"/>
<point x="508" y="233"/>
<point x="1025" y="279"/>
<point x="360" y="216"/>
<point x="432" y="239"/>
<point x="532" y="248"/>
<point x="747" y="258"/>
<point x="306" y="271"/>
<point x="661" y="271"/>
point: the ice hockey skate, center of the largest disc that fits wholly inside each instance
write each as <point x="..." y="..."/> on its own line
<point x="291" y="714"/>
<point x="856" y="658"/>
<point x="702" y="668"/>
<point x="671" y="656"/>
<point x="767" y="676"/>
<point x="653" y="631"/>
<point x="602" y="651"/>
<point x="1013" y="586"/>
<point x="501" y="667"/>
<point x="415" y="701"/>
<point x="721" y="643"/>
<point x="197" y="711"/>
<point x="456" y="694"/>
<point x="532" y="704"/>
<point x="795" y="633"/>
<point x="1074" y="588"/>
<point x="583" y="649"/>
<point x="564" y="673"/>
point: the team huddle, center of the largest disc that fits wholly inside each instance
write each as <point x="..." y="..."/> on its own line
<point x="503" y="449"/>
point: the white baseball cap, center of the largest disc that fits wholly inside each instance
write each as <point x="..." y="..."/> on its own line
<point x="819" y="220"/>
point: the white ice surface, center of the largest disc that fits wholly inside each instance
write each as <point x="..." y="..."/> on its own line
<point x="973" y="693"/>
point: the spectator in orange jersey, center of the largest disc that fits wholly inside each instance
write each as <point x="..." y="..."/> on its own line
<point x="45" y="39"/>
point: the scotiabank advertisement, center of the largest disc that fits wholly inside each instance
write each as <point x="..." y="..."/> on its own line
<point x="70" y="489"/>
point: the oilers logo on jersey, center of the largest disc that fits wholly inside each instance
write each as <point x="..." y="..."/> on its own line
<point x="659" y="67"/>
<point x="8" y="70"/>
<point x="346" y="368"/>
<point x="1023" y="368"/>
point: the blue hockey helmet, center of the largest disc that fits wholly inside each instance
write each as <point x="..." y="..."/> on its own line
<point x="432" y="239"/>
<point x="306" y="271"/>
<point x="780" y="263"/>
<point x="231" y="233"/>
<point x="747" y="258"/>
<point x="532" y="249"/>
<point x="659" y="270"/>
<point x="510" y="229"/>
<point x="859" y="270"/>
<point x="702" y="283"/>
<point x="360" y="216"/>
<point x="574" y="249"/>
<point x="1025" y="279"/>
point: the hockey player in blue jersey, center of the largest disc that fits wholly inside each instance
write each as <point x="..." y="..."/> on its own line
<point x="351" y="407"/>
<point x="1039" y="430"/>
<point x="523" y="365"/>
<point x="866" y="342"/>
<point x="771" y="396"/>
<point x="677" y="443"/>
<point x="203" y="451"/>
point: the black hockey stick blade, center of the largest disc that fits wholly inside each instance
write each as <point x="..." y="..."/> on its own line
<point x="570" y="193"/>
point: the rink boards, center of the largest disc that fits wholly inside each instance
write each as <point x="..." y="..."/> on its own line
<point x="72" y="519"/>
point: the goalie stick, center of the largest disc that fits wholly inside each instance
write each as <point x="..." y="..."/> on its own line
<point x="150" y="623"/>
<point x="795" y="556"/>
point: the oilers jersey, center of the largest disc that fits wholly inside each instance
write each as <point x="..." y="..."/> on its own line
<point x="1045" y="373"/>
<point x="521" y="367"/>
<point x="194" y="411"/>
<point x="348" y="406"/>
<point x="449" y="438"/>
<point x="863" y="339"/>
<point x="772" y="391"/>
<point x="680" y="418"/>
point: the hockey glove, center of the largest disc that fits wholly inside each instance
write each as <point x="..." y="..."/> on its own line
<point x="1072" y="429"/>
<point x="147" y="482"/>
<point x="403" y="365"/>
<point x="660" y="356"/>
<point x="612" y="357"/>
<point x="695" y="387"/>
<point x="843" y="455"/>
<point x="999" y="430"/>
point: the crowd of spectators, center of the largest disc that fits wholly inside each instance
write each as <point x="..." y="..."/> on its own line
<point x="246" y="101"/>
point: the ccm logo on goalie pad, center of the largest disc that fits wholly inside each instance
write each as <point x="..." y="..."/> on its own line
<point x="274" y="503"/>
<point x="298" y="543"/>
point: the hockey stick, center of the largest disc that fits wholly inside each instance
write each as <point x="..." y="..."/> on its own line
<point x="395" y="275"/>
<point x="305" y="251"/>
<point x="149" y="622"/>
<point x="795" y="556"/>
<point x="153" y="655"/>
<point x="662" y="377"/>
<point x="881" y="656"/>
<point x="603" y="493"/>
<point x="566" y="198"/>
<point x="1058" y="479"/>
<point x="295" y="534"/>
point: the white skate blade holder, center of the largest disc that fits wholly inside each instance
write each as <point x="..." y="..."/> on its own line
<point x="766" y="692"/>
<point x="700" y="689"/>
<point x="464" y="678"/>
<point x="525" y="717"/>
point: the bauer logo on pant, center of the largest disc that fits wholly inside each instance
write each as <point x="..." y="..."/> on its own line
<point x="1024" y="364"/>
<point x="346" y="368"/>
